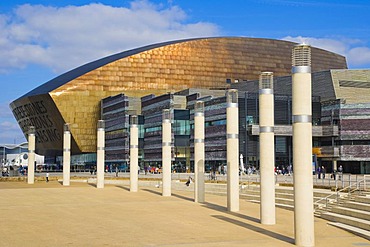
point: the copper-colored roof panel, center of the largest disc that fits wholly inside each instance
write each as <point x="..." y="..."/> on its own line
<point x="165" y="67"/>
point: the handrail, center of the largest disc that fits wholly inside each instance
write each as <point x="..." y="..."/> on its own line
<point x="326" y="198"/>
<point x="365" y="179"/>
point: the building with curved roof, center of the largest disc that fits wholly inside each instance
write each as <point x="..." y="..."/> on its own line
<point x="205" y="63"/>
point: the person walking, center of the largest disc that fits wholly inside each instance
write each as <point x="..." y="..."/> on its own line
<point x="340" y="172"/>
<point x="318" y="172"/>
<point x="189" y="181"/>
<point x="47" y="177"/>
<point x="323" y="171"/>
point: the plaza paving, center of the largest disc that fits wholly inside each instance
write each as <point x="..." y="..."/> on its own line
<point x="49" y="214"/>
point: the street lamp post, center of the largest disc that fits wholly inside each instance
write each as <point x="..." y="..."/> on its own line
<point x="66" y="155"/>
<point x="232" y="135"/>
<point x="267" y="148"/>
<point x="100" y="152"/>
<point x="166" y="152"/>
<point x="134" y="153"/>
<point x="31" y="155"/>
<point x="302" y="146"/>
<point x="199" y="152"/>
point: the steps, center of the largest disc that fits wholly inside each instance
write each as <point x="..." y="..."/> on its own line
<point x="284" y="196"/>
<point x="351" y="213"/>
<point x="348" y="220"/>
<point x="361" y="214"/>
<point x="355" y="230"/>
<point x="357" y="205"/>
<point x="363" y="199"/>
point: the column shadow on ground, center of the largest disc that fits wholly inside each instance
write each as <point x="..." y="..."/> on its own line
<point x="183" y="197"/>
<point x="233" y="221"/>
<point x="224" y="210"/>
<point x="123" y="187"/>
<point x="92" y="185"/>
<point x="256" y="229"/>
<point x="153" y="191"/>
<point x="172" y="194"/>
<point x="214" y="207"/>
<point x="246" y="225"/>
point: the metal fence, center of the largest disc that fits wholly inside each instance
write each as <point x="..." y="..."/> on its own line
<point x="340" y="180"/>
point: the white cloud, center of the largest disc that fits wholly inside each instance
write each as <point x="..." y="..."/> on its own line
<point x="5" y="111"/>
<point x="9" y="126"/>
<point x="356" y="53"/>
<point x="10" y="131"/>
<point x="66" y="37"/>
<point x="359" y="55"/>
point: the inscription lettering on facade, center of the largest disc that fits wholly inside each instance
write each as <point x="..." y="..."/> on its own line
<point x="36" y="114"/>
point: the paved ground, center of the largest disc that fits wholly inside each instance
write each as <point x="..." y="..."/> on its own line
<point x="48" y="214"/>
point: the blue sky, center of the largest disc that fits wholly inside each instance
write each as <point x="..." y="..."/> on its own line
<point x="41" y="39"/>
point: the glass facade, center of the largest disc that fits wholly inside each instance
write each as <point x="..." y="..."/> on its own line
<point x="249" y="112"/>
<point x="88" y="93"/>
<point x="74" y="97"/>
<point x="152" y="108"/>
<point x="181" y="124"/>
<point x="150" y="132"/>
<point x="114" y="111"/>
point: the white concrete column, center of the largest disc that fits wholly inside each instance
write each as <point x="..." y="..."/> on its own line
<point x="134" y="154"/>
<point x="166" y="152"/>
<point x="267" y="148"/>
<point x="302" y="146"/>
<point x="66" y="155"/>
<point x="100" y="159"/>
<point x="199" y="186"/>
<point x="31" y="155"/>
<point x="232" y="132"/>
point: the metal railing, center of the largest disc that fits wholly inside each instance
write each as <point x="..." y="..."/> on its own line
<point x="345" y="192"/>
<point x="341" y="180"/>
<point x="366" y="182"/>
